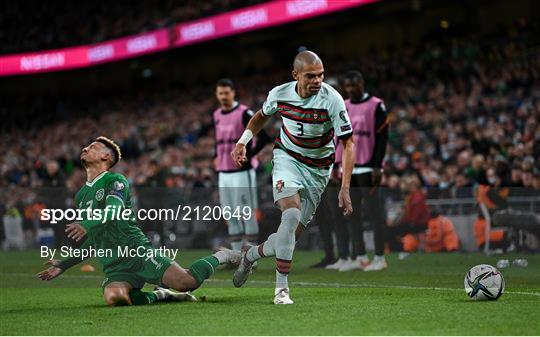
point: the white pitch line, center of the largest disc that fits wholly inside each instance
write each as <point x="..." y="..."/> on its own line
<point x="307" y="284"/>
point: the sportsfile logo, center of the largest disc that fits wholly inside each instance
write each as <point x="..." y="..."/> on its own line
<point x="109" y="213"/>
<point x="116" y="213"/>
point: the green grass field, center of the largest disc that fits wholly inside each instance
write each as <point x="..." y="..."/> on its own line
<point x="422" y="295"/>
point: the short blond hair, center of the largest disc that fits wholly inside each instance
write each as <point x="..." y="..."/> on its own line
<point x="110" y="144"/>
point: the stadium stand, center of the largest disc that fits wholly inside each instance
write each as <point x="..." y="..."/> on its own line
<point x="36" y="25"/>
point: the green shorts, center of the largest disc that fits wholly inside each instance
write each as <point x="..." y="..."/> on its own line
<point x="289" y="176"/>
<point x="149" y="270"/>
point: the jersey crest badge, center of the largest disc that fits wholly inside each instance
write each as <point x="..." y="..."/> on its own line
<point x="279" y="185"/>
<point x="99" y="194"/>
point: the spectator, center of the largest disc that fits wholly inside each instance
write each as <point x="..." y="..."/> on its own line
<point x="415" y="215"/>
<point x="440" y="236"/>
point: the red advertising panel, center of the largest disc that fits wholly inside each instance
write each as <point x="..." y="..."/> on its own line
<point x="84" y="56"/>
<point x="257" y="17"/>
<point x="251" y="18"/>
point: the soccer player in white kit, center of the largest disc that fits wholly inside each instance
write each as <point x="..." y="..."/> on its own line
<point x="313" y="113"/>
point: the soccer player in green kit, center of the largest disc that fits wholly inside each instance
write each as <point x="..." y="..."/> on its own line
<point x="126" y="276"/>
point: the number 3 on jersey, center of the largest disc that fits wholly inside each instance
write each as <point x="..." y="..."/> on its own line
<point x="300" y="129"/>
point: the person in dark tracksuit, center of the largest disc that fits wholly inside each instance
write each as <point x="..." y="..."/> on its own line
<point x="370" y="126"/>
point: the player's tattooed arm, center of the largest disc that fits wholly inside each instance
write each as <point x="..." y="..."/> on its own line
<point x="255" y="125"/>
<point x="57" y="267"/>
<point x="348" y="161"/>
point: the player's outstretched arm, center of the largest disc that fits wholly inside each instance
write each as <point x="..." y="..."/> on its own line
<point x="57" y="267"/>
<point x="52" y="272"/>
<point x="257" y="122"/>
<point x="348" y="161"/>
<point x="255" y="125"/>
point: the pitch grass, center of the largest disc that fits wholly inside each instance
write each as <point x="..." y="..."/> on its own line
<point x="422" y="295"/>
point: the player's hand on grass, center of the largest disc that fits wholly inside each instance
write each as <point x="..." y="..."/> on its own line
<point x="344" y="199"/>
<point x="239" y="155"/>
<point x="75" y="231"/>
<point x="52" y="272"/>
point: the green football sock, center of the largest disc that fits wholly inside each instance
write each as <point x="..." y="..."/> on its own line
<point x="139" y="297"/>
<point x="203" y="268"/>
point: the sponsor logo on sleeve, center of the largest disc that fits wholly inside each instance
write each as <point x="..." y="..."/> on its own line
<point x="345" y="128"/>
<point x="117" y="189"/>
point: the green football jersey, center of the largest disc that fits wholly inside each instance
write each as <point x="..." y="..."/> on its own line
<point x="111" y="188"/>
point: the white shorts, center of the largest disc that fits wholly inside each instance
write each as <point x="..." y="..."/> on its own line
<point x="289" y="176"/>
<point x="238" y="189"/>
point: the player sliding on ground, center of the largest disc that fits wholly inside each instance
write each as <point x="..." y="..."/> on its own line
<point x="313" y="113"/>
<point x="126" y="276"/>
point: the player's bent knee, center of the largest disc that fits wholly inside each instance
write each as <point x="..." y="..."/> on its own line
<point x="289" y="202"/>
<point x="186" y="283"/>
<point x="117" y="296"/>
<point x="179" y="279"/>
<point x="290" y="219"/>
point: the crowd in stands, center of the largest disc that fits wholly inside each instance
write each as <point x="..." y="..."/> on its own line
<point x="39" y="25"/>
<point x="458" y="109"/>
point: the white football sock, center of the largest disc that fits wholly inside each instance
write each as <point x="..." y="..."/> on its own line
<point x="236" y="245"/>
<point x="282" y="280"/>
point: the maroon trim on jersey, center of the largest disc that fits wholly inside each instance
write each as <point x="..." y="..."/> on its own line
<point x="313" y="162"/>
<point x="313" y="116"/>
<point x="310" y="143"/>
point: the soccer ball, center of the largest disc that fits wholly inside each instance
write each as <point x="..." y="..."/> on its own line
<point x="484" y="282"/>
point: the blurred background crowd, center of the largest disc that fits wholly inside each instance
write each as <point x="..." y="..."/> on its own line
<point x="464" y="110"/>
<point x="33" y="25"/>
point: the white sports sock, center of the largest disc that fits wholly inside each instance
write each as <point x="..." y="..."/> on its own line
<point x="284" y="245"/>
<point x="379" y="258"/>
<point x="285" y="239"/>
<point x="289" y="221"/>
<point x="267" y="249"/>
<point x="282" y="280"/>
<point x="221" y="256"/>
<point x="253" y="254"/>
<point x="236" y="245"/>
<point x="236" y="231"/>
<point x="160" y="294"/>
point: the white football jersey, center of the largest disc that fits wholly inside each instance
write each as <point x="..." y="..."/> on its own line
<point x="309" y="124"/>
